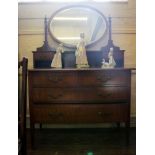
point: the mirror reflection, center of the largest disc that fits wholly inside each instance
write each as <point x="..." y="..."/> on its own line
<point x="67" y="25"/>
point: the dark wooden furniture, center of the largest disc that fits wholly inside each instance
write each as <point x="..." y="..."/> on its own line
<point x="72" y="96"/>
<point x="22" y="108"/>
<point x="43" y="56"/>
<point x="42" y="59"/>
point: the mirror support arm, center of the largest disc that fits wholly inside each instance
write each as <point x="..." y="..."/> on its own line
<point x="45" y="46"/>
<point x="45" y="23"/>
<point x="110" y="41"/>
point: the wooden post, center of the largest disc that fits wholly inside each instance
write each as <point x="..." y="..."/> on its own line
<point x="110" y="41"/>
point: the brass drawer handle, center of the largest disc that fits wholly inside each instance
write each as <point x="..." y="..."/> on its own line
<point x="54" y="96"/>
<point x="104" y="95"/>
<point x="103" y="79"/>
<point x="54" y="115"/>
<point x="55" y="79"/>
<point x="104" y="113"/>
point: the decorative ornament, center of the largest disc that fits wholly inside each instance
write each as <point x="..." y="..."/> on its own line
<point x="57" y="57"/>
<point x="80" y="53"/>
<point x="111" y="63"/>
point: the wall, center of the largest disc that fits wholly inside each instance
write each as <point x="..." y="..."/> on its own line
<point x="31" y="30"/>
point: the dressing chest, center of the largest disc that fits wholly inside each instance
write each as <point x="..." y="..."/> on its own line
<point x="73" y="96"/>
<point x="79" y="96"/>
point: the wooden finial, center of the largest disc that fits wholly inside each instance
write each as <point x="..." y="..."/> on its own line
<point x="45" y="46"/>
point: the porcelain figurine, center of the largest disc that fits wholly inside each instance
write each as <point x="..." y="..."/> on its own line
<point x="111" y="63"/>
<point x="80" y="53"/>
<point x="57" y="57"/>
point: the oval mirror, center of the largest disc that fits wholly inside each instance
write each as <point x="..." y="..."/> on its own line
<point x="66" y="25"/>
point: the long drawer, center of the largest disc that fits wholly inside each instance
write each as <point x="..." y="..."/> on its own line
<point x="77" y="113"/>
<point x="77" y="95"/>
<point x="80" y="78"/>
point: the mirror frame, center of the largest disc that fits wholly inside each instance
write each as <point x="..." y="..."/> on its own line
<point x="76" y="6"/>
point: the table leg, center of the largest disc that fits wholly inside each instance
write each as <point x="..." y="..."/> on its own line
<point x="118" y="125"/>
<point x="127" y="124"/>
<point x="40" y="125"/>
<point x="32" y="134"/>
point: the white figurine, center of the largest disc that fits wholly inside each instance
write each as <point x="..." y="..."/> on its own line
<point x="105" y="64"/>
<point x="56" y="62"/>
<point x="80" y="53"/>
<point x="111" y="63"/>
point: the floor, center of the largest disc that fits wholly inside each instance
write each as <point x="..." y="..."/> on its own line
<point x="108" y="141"/>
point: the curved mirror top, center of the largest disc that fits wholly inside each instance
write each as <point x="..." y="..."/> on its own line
<point x="66" y="25"/>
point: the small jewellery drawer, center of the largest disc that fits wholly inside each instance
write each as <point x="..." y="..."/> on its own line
<point x="78" y="95"/>
<point x="53" y="79"/>
<point x="78" y="113"/>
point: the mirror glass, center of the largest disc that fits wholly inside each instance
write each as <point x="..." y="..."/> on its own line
<point x="66" y="25"/>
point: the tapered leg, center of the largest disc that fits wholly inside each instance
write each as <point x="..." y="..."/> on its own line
<point x="40" y="126"/>
<point x="118" y="125"/>
<point x="127" y="124"/>
<point x="32" y="135"/>
<point x="23" y="146"/>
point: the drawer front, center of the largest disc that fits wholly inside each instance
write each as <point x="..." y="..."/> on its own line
<point x="80" y="95"/>
<point x="77" y="113"/>
<point x="101" y="78"/>
<point x="80" y="78"/>
<point x="53" y="79"/>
